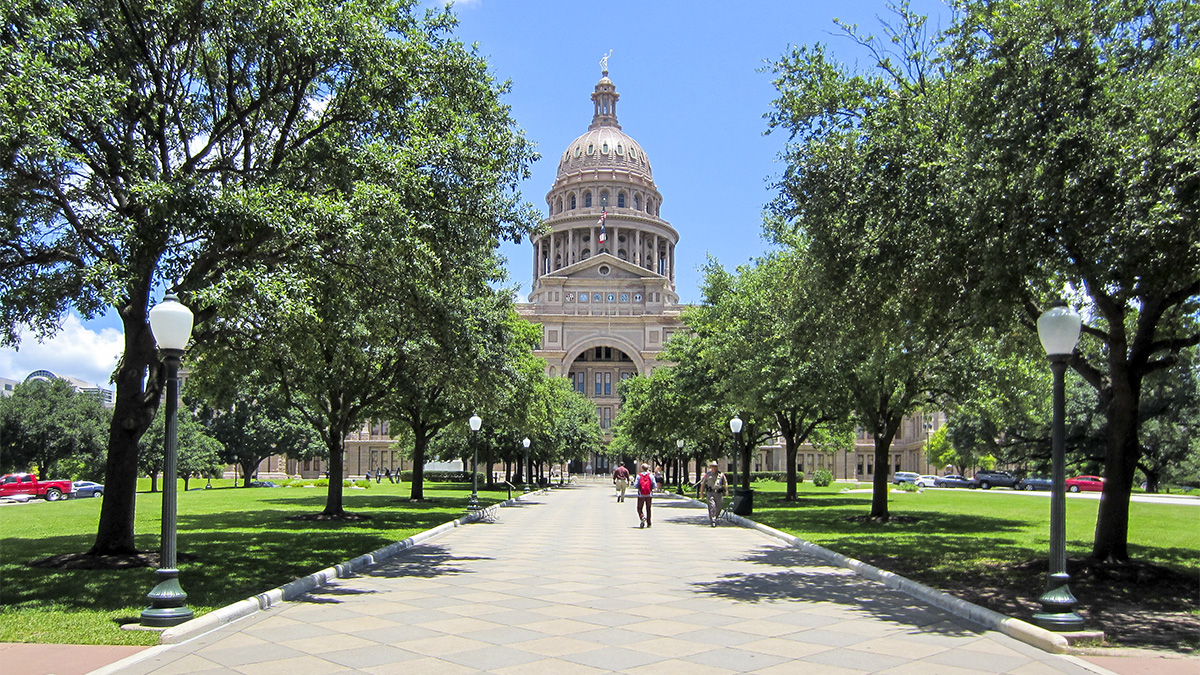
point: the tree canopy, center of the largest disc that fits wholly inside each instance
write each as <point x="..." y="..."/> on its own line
<point x="1030" y="151"/>
<point x="194" y="146"/>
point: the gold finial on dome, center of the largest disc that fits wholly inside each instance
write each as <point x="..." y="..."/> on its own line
<point x="604" y="63"/>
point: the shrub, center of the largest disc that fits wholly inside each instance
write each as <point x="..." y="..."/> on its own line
<point x="799" y="477"/>
<point x="444" y="477"/>
<point x="822" y="478"/>
<point x="908" y="487"/>
<point x="321" y="482"/>
<point x="361" y="483"/>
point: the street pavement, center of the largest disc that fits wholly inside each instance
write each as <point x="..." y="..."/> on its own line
<point x="566" y="582"/>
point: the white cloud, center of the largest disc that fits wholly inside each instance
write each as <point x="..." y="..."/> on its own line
<point x="75" y="351"/>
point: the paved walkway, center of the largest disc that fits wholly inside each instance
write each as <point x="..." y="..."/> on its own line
<point x="567" y="583"/>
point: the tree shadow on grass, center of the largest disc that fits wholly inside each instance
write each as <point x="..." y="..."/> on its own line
<point x="805" y="579"/>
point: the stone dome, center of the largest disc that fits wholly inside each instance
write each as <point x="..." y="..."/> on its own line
<point x="605" y="147"/>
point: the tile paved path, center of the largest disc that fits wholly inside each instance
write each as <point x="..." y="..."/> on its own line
<point x="567" y="583"/>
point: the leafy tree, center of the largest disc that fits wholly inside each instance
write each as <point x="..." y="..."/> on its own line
<point x="47" y="423"/>
<point x="864" y="188"/>
<point x="197" y="453"/>
<point x="465" y="367"/>
<point x="181" y="144"/>
<point x="774" y="365"/>
<point x="1032" y="150"/>
<point x="254" y="425"/>
<point x="1081" y="135"/>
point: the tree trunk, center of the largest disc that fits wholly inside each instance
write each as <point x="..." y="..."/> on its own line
<point x="132" y="413"/>
<point x="490" y="464"/>
<point x="247" y="470"/>
<point x="879" y="486"/>
<point x="790" y="451"/>
<point x="420" y="443"/>
<point x="333" y="498"/>
<point x="746" y="466"/>
<point x="154" y="482"/>
<point x="1111" y="542"/>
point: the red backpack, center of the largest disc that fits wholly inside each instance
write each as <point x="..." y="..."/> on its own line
<point x="645" y="483"/>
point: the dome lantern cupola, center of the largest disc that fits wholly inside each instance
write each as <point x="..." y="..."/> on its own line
<point x="605" y="100"/>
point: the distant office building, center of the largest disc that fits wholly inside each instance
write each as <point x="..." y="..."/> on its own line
<point x="107" y="397"/>
<point x="6" y="386"/>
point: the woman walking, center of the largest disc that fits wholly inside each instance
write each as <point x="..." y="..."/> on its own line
<point x="713" y="486"/>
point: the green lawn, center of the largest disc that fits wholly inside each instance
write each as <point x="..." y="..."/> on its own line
<point x="991" y="548"/>
<point x="242" y="539"/>
<point x="955" y="529"/>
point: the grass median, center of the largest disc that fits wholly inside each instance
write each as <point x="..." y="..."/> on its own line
<point x="990" y="547"/>
<point x="233" y="544"/>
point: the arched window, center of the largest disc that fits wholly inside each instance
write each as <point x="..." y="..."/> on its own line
<point x="558" y="205"/>
<point x="587" y="200"/>
<point x="572" y="201"/>
<point x="604" y="198"/>
<point x="621" y="200"/>
<point x="637" y="202"/>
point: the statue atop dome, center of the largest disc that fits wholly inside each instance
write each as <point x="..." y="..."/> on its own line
<point x="604" y="63"/>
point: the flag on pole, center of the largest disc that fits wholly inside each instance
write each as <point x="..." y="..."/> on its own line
<point x="603" y="235"/>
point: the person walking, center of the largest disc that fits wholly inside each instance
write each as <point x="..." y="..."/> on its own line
<point x="621" y="481"/>
<point x="645" y="489"/>
<point x="713" y="487"/>
<point x="659" y="481"/>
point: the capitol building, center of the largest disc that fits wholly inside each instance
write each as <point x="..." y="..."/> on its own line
<point x="604" y="267"/>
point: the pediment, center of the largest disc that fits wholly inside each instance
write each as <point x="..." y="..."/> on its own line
<point x="591" y="269"/>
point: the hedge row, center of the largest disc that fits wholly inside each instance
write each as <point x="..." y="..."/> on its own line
<point x="445" y="476"/>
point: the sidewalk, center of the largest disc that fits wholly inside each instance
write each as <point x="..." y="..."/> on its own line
<point x="568" y="583"/>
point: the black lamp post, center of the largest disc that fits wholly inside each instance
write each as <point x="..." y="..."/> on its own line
<point x="473" y="503"/>
<point x="528" y="464"/>
<point x="682" y="468"/>
<point x="171" y="324"/>
<point x="1058" y="329"/>
<point x="743" y="503"/>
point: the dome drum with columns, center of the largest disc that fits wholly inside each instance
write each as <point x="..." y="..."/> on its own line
<point x="606" y="307"/>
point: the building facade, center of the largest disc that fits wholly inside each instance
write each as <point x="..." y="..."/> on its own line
<point x="604" y="268"/>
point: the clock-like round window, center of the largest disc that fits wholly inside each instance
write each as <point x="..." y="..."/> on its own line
<point x="612" y="297"/>
<point x="603" y="270"/>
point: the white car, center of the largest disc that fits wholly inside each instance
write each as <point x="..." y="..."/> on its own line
<point x="926" y="481"/>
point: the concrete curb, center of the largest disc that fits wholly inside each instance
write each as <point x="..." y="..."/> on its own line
<point x="1015" y="628"/>
<point x="238" y="610"/>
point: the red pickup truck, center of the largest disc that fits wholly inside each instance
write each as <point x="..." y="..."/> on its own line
<point x="14" y="484"/>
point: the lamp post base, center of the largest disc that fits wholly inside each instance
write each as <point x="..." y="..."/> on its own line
<point x="743" y="501"/>
<point x="525" y="489"/>
<point x="473" y="504"/>
<point x="166" y="602"/>
<point x="1058" y="607"/>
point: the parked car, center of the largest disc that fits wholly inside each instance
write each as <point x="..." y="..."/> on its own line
<point x="905" y="477"/>
<point x="14" y="484"/>
<point x="1034" y="483"/>
<point x="1085" y="483"/>
<point x="952" y="481"/>
<point x="86" y="488"/>
<point x="264" y="483"/>
<point x="990" y="479"/>
<point x="927" y="481"/>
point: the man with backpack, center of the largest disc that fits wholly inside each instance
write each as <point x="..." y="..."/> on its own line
<point x="645" y="487"/>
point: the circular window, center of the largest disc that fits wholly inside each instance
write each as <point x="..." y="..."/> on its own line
<point x="603" y="270"/>
<point x="612" y="297"/>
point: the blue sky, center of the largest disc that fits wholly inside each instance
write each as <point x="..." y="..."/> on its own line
<point x="691" y="95"/>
